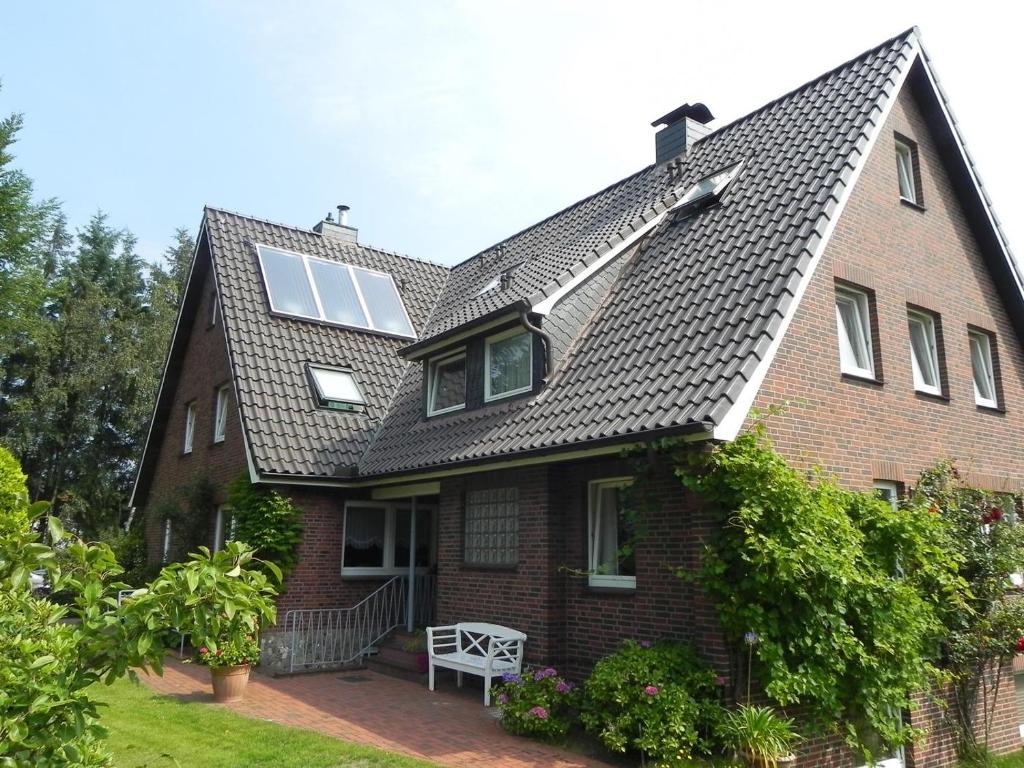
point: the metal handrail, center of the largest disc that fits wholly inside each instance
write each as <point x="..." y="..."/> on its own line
<point x="326" y="637"/>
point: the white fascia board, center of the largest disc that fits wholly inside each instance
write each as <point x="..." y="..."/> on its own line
<point x="167" y="360"/>
<point x="732" y="423"/>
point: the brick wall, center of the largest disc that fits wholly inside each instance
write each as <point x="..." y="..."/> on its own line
<point x="205" y="366"/>
<point x="864" y="431"/>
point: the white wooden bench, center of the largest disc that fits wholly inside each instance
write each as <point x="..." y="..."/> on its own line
<point x="487" y="650"/>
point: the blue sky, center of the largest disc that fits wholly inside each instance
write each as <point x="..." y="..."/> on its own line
<point x="446" y="126"/>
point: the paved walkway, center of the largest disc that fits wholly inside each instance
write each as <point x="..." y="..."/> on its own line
<point x="448" y="727"/>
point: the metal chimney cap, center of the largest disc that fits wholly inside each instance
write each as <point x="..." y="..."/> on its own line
<point x="698" y="112"/>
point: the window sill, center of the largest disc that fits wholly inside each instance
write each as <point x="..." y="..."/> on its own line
<point x="912" y="204"/>
<point x="856" y="378"/>
<point x="446" y="411"/>
<point x="936" y="397"/>
<point x="606" y="590"/>
<point x="990" y="408"/>
<point x="363" y="574"/>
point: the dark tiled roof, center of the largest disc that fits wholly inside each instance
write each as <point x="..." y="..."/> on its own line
<point x="692" y="312"/>
<point x="286" y="432"/>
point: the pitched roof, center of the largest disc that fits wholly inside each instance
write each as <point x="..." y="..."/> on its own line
<point x="286" y="433"/>
<point x="696" y="309"/>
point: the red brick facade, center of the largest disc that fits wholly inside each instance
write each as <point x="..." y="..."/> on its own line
<point x="206" y="361"/>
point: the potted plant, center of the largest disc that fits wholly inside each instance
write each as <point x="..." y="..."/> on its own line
<point x="417" y="644"/>
<point x="762" y="737"/>
<point x="222" y="600"/>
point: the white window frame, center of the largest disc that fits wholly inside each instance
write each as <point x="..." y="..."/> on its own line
<point x="219" y="539"/>
<point x="190" y="427"/>
<point x="929" y="321"/>
<point x="517" y="331"/>
<point x="609" y="580"/>
<point x="432" y="366"/>
<point x="220" y="418"/>
<point x="711" y="185"/>
<point x="862" y="304"/>
<point x="892" y="487"/>
<point x="390" y="567"/>
<point x="167" y="541"/>
<point x="322" y="317"/>
<point x="905" y="165"/>
<point x="325" y="402"/>
<point x="985" y="340"/>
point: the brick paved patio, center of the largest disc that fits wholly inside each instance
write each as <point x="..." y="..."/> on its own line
<point x="448" y="727"/>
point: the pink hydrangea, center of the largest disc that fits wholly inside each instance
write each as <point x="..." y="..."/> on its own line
<point x="563" y="687"/>
<point x="651" y="690"/>
<point x="502" y="698"/>
<point x="541" y="674"/>
<point x="539" y="712"/>
<point x="646" y="644"/>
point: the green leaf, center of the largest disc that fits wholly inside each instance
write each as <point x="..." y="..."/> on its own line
<point x="42" y="661"/>
<point x="56" y="529"/>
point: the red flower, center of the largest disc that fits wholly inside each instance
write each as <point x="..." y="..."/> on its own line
<point x="934" y="509"/>
<point x="204" y="649"/>
<point x="1020" y="645"/>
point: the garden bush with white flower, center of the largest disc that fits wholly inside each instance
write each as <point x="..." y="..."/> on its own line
<point x="538" y="703"/>
<point x="658" y="699"/>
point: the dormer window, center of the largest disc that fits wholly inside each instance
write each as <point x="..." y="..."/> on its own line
<point x="333" y="292"/>
<point x="446" y="384"/>
<point x="508" y="364"/>
<point x="710" y="187"/>
<point x="336" y="388"/>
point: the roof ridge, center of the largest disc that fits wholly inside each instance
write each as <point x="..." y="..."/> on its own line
<point x="557" y="213"/>
<point x="912" y="31"/>
<point x="358" y="244"/>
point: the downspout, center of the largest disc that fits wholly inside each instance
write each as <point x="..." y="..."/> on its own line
<point x="545" y="339"/>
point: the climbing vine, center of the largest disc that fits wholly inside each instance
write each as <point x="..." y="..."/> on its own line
<point x="847" y="597"/>
<point x="986" y="628"/>
<point x="189" y="508"/>
<point x="267" y="521"/>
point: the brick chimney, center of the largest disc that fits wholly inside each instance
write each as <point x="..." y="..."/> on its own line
<point x="683" y="126"/>
<point x="339" y="230"/>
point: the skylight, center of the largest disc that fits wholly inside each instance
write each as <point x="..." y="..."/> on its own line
<point x="336" y="388"/>
<point x="333" y="292"/>
<point x="710" y="186"/>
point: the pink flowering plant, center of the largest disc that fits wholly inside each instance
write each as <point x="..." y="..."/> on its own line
<point x="230" y="653"/>
<point x="537" y="703"/>
<point x="656" y="699"/>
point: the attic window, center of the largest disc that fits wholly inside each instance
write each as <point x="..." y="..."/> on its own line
<point x="336" y="388"/>
<point x="710" y="187"/>
<point x="333" y="292"/>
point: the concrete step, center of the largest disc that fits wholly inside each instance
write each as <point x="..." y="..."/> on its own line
<point x="400" y="670"/>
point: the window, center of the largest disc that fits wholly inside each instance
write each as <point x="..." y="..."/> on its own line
<point x="167" y="541"/>
<point x="220" y="420"/>
<point x="610" y="530"/>
<point x="1018" y="684"/>
<point x="888" y="490"/>
<point x="333" y="292"/>
<point x="984" y="371"/>
<point x="377" y="538"/>
<point x="710" y="186"/>
<point x="336" y="388"/>
<point x="223" y="527"/>
<point x="854" y="320"/>
<point x="491" y="529"/>
<point x="446" y="384"/>
<point x="190" y="427"/>
<point x="508" y="364"/>
<point x="906" y="155"/>
<point x="924" y="352"/>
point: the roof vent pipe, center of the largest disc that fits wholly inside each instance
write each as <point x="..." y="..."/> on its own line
<point x="684" y="126"/>
<point x="343" y="215"/>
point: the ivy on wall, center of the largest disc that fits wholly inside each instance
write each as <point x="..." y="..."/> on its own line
<point x="267" y="521"/>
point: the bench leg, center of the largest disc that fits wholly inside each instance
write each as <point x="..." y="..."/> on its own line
<point x="487" y="690"/>
<point x="431" y="676"/>
<point x="460" y="679"/>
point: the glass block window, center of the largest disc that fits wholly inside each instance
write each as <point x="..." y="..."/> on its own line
<point x="491" y="533"/>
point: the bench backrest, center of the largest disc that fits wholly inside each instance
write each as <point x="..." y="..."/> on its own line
<point x="479" y="639"/>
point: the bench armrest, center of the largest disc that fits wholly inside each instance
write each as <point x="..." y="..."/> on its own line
<point x="444" y="638"/>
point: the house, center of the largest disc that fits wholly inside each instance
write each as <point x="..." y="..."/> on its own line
<point x="834" y="248"/>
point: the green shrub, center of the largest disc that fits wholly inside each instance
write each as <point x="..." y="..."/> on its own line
<point x="657" y="699"/>
<point x="537" y="703"/>
<point x="758" y="732"/>
<point x="266" y="521"/>
<point x="14" y="510"/>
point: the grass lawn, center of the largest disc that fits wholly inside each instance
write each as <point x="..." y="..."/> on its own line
<point x="148" y="730"/>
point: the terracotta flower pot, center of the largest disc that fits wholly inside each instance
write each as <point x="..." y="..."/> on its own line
<point x="229" y="682"/>
<point x="757" y="762"/>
